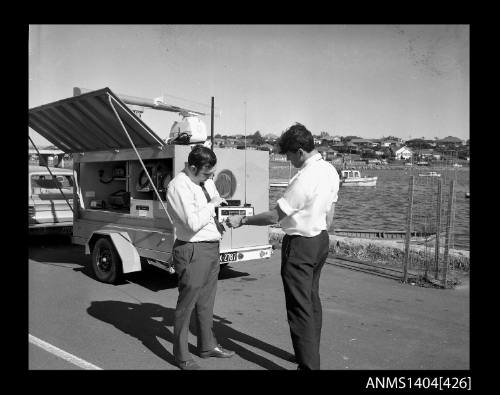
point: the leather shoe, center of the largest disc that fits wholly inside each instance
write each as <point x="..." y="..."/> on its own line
<point x="217" y="352"/>
<point x="187" y="365"/>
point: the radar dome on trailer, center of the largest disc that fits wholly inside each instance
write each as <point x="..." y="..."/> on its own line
<point x="188" y="131"/>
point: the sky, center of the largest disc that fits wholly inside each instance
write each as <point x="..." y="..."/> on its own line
<point x="368" y="81"/>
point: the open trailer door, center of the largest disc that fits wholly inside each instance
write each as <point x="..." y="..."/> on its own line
<point x="88" y="122"/>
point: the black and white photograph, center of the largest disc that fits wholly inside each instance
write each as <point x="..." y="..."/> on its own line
<point x="251" y="197"/>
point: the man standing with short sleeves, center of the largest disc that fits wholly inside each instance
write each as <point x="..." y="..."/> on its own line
<point x="305" y="212"/>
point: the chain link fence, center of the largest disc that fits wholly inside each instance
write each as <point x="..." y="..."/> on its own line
<point x="431" y="212"/>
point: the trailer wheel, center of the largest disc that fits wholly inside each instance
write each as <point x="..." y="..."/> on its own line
<point x="106" y="261"/>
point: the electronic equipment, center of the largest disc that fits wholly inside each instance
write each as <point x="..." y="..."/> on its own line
<point x="97" y="204"/>
<point x="120" y="199"/>
<point x="232" y="202"/>
<point x="163" y="179"/>
<point x="119" y="171"/>
<point x="141" y="208"/>
<point x="160" y="175"/>
<point x="190" y="130"/>
<point x="222" y="213"/>
<point x="143" y="184"/>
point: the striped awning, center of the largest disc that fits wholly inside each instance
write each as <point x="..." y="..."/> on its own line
<point x="88" y="123"/>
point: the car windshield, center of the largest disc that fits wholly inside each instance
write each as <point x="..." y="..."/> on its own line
<point x="45" y="184"/>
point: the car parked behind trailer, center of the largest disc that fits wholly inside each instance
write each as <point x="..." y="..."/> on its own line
<point x="49" y="200"/>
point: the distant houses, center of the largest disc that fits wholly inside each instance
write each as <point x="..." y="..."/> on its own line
<point x="266" y="147"/>
<point x="363" y="143"/>
<point x="426" y="153"/>
<point x="270" y="137"/>
<point x="328" y="153"/>
<point x="403" y="153"/>
<point x="450" y="140"/>
<point x="327" y="140"/>
<point x="372" y="151"/>
<point x="389" y="142"/>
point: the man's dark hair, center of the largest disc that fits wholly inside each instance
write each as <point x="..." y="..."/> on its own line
<point x="295" y="137"/>
<point x="201" y="156"/>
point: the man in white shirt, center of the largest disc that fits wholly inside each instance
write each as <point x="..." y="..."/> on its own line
<point x="305" y="212"/>
<point x="191" y="201"/>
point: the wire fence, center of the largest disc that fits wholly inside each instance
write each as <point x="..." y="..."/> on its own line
<point x="431" y="211"/>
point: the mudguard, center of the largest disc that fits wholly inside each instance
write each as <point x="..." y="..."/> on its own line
<point x="131" y="262"/>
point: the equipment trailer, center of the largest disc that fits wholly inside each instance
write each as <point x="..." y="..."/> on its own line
<point x="121" y="171"/>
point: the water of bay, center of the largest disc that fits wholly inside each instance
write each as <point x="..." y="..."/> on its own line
<point x="385" y="206"/>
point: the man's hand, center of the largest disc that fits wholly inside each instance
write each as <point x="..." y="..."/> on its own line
<point x="234" y="221"/>
<point x="217" y="200"/>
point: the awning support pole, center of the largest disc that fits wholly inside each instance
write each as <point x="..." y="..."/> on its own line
<point x="140" y="160"/>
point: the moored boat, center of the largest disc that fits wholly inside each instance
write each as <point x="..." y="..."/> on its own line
<point x="354" y="178"/>
<point x="430" y="174"/>
<point x="279" y="183"/>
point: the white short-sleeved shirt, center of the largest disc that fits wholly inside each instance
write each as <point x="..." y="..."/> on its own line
<point x="308" y="197"/>
<point x="191" y="213"/>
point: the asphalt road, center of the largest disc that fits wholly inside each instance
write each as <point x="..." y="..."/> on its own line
<point x="369" y="322"/>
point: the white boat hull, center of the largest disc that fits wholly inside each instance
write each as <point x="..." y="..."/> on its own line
<point x="430" y="175"/>
<point x="279" y="184"/>
<point x="363" y="181"/>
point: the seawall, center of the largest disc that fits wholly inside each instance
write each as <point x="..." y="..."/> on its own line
<point x="384" y="251"/>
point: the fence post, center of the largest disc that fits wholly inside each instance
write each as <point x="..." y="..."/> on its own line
<point x="438" y="226"/>
<point x="408" y="229"/>
<point x="448" y="230"/>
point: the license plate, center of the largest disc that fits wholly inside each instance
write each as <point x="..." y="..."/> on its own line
<point x="227" y="257"/>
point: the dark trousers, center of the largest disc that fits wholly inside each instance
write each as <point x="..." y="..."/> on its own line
<point x="302" y="259"/>
<point x="197" y="267"/>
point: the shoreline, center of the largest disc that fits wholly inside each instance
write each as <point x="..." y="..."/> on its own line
<point x="389" y="252"/>
<point x="396" y="166"/>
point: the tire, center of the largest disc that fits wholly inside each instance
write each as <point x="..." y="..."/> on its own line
<point x="106" y="262"/>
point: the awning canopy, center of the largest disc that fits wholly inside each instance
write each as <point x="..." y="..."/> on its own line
<point x="88" y="123"/>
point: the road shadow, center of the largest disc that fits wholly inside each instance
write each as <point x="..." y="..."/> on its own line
<point x="149" y="322"/>
<point x="43" y="240"/>
<point x="55" y="249"/>
<point x="156" y="279"/>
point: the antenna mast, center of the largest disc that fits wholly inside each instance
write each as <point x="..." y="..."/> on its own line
<point x="212" y="125"/>
<point x="245" y="152"/>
